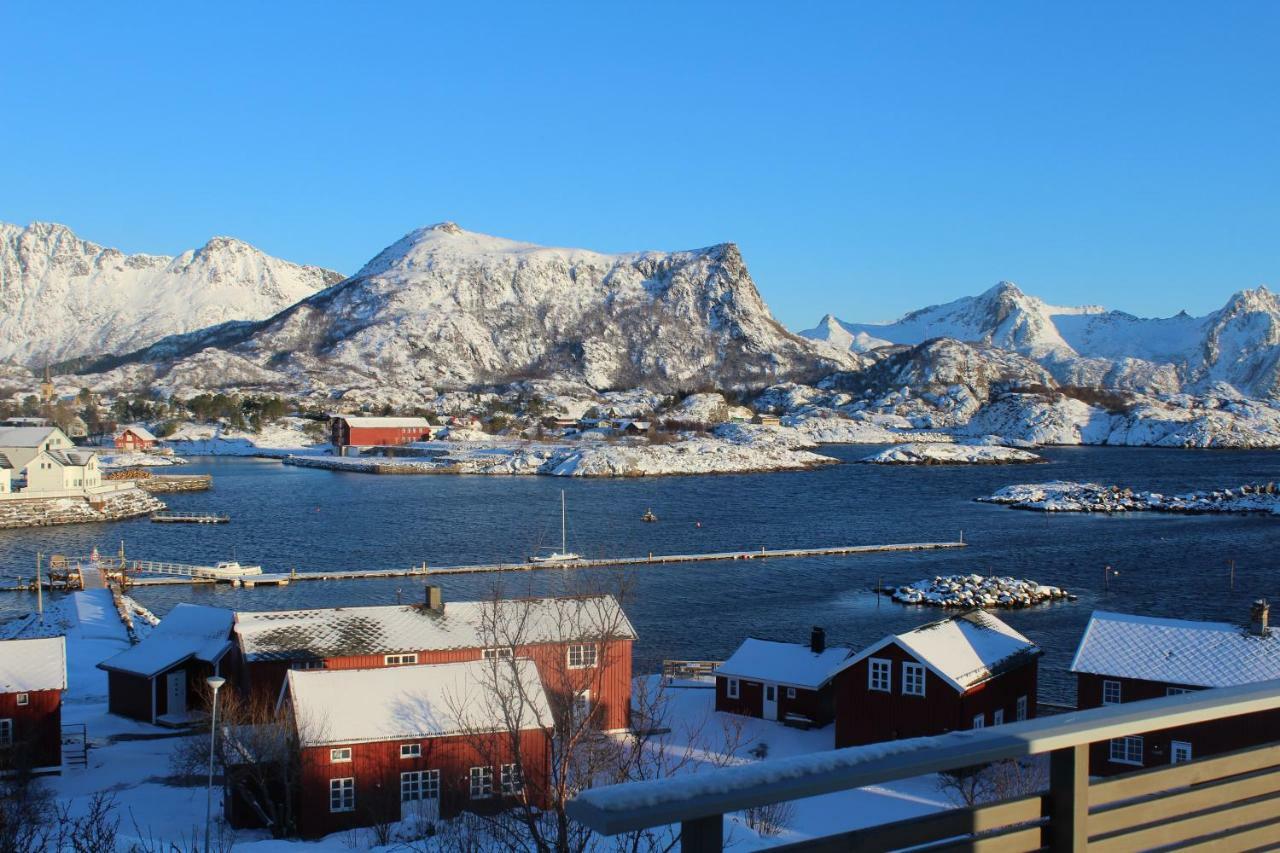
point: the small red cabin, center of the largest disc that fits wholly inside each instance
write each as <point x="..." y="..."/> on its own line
<point x="966" y="672"/>
<point x="790" y="682"/>
<point x="33" y="676"/>
<point x="349" y="431"/>
<point x="135" y="437"/>
<point x="424" y="742"/>
<point x="1125" y="658"/>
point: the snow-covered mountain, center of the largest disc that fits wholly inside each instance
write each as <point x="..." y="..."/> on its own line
<point x="62" y="297"/>
<point x="1235" y="350"/>
<point x="448" y="308"/>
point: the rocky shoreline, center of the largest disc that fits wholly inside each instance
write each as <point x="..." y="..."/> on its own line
<point x="1063" y="496"/>
<point x="978" y="591"/>
<point x="45" y="512"/>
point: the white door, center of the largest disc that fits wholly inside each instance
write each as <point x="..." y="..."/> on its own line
<point x="177" y="682"/>
<point x="771" y="701"/>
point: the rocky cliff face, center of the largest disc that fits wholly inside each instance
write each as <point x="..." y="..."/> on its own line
<point x="62" y="297"/>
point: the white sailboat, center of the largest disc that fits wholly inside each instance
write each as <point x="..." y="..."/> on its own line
<point x="564" y="554"/>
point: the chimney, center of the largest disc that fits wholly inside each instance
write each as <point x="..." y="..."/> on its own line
<point x="434" y="600"/>
<point x="1259" y="615"/>
<point x="818" y="641"/>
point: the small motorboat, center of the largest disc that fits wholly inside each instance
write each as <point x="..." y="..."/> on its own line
<point x="648" y="516"/>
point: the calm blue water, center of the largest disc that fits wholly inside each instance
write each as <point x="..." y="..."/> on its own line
<point x="295" y="518"/>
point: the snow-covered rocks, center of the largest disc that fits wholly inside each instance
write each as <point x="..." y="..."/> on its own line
<point x="978" y="591"/>
<point x="138" y="460"/>
<point x="920" y="453"/>
<point x="1061" y="496"/>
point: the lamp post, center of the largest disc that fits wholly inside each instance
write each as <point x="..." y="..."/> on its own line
<point x="214" y="682"/>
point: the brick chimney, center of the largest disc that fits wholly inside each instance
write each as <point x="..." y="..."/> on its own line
<point x="434" y="600"/>
<point x="818" y="641"/>
<point x="1259" y="616"/>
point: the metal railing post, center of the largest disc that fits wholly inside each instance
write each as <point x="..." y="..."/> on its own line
<point x="702" y="835"/>
<point x="1067" y="805"/>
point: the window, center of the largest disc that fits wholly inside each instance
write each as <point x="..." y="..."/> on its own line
<point x="880" y="675"/>
<point x="913" y="679"/>
<point x="337" y="756"/>
<point x="1177" y="691"/>
<point x="997" y="717"/>
<point x="307" y="664"/>
<point x="481" y="783"/>
<point x="581" y="705"/>
<point x="342" y="794"/>
<point x="1110" y="693"/>
<point x="731" y="688"/>
<point x="512" y="783"/>
<point x="979" y="721"/>
<point x="24" y="699"/>
<point x="771" y="693"/>
<point x="791" y="693"/>
<point x="1126" y="750"/>
<point x="419" y="785"/>
<point x="1179" y="751"/>
<point x="1021" y="710"/>
<point x="6" y="732"/>
<point x="410" y="750"/>
<point x="582" y="656"/>
<point x="399" y="660"/>
<point x="501" y="654"/>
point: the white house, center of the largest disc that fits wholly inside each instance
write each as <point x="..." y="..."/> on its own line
<point x="6" y="475"/>
<point x="23" y="444"/>
<point x="63" y="470"/>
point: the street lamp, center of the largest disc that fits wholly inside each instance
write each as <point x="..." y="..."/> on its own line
<point x="214" y="682"/>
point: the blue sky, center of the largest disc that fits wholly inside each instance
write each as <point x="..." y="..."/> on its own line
<point x="868" y="158"/>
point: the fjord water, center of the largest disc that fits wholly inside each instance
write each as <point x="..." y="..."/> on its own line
<point x="296" y="518"/>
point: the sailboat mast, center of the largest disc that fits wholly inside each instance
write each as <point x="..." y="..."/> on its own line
<point x="564" y="540"/>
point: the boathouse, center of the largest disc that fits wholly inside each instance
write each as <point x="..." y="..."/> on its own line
<point x="162" y="679"/>
<point x="350" y="431"/>
<point x="382" y="745"/>
<point x="22" y="444"/>
<point x="33" y="676"/>
<point x="790" y="682"/>
<point x="581" y="645"/>
<point x="966" y="672"/>
<point x="135" y="437"/>
<point x="1126" y="658"/>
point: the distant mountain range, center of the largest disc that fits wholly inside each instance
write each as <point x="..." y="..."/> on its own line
<point x="62" y="297"/>
<point x="1235" y="350"/>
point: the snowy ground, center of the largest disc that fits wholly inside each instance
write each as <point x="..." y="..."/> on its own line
<point x="280" y="438"/>
<point x="139" y="460"/>
<point x="950" y="454"/>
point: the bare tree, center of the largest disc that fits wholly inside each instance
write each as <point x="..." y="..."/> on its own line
<point x="990" y="783"/>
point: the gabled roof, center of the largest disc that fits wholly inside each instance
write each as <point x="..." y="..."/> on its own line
<point x="28" y="665"/>
<point x="789" y="664"/>
<point x="25" y="436"/>
<point x="346" y="631"/>
<point x="188" y="631"/>
<point x="1175" y="651"/>
<point x="138" y="430"/>
<point x="964" y="650"/>
<point x="383" y="422"/>
<point x="5" y="464"/>
<point x="74" y="458"/>
<point x="334" y="706"/>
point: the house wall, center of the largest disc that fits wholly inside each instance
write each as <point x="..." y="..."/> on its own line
<point x="19" y="457"/>
<point x="46" y="475"/>
<point x="37" y="730"/>
<point x="376" y="768"/>
<point x="129" y="696"/>
<point x="817" y="705"/>
<point x="342" y="434"/>
<point x="6" y="481"/>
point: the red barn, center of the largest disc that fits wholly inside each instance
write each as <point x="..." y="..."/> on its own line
<point x="1126" y="658"/>
<point x="426" y="742"/>
<point x="349" y="431"/>
<point x="580" y="645"/>
<point x="780" y="681"/>
<point x="33" y="676"/>
<point x="162" y="678"/>
<point x="135" y="437"/>
<point x="966" y="672"/>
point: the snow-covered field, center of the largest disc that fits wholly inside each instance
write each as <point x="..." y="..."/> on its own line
<point x="280" y="438"/>
<point x="1064" y="496"/>
<point x="950" y="454"/>
<point x="139" y="460"/>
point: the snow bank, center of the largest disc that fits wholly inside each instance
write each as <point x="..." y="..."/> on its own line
<point x="950" y="454"/>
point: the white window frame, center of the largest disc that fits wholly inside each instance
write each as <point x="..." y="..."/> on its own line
<point x="400" y="660"/>
<point x="1020" y="708"/>
<point x="1109" y="687"/>
<point x="585" y="653"/>
<point x="511" y="780"/>
<point x="731" y="688"/>
<point x="500" y="653"/>
<point x="1177" y="691"/>
<point x="880" y="675"/>
<point x="481" y="779"/>
<point x="1124" y="748"/>
<point x="340" y="755"/>
<point x="997" y="717"/>
<point x="791" y="693"/>
<point x="419" y="785"/>
<point x="912" y="676"/>
<point x="342" y="794"/>
<point x="979" y="721"/>
<point x="24" y="699"/>
<point x="6" y="732"/>
<point x="1180" y="746"/>
<point x="410" y="750"/>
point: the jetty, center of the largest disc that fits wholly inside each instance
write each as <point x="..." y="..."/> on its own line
<point x="189" y="518"/>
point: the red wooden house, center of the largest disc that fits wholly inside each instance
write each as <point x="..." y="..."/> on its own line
<point x="780" y="681"/>
<point x="966" y="672"/>
<point x="162" y="678"/>
<point x="351" y="431"/>
<point x="427" y="742"/>
<point x="581" y="645"/>
<point x="1126" y="658"/>
<point x="33" y="676"/>
<point x="135" y="437"/>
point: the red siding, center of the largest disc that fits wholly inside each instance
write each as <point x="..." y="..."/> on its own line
<point x="816" y="705"/>
<point x="37" y="730"/>
<point x="129" y="695"/>
<point x="376" y="768"/>
<point x="129" y="440"/>
<point x="342" y="434"/>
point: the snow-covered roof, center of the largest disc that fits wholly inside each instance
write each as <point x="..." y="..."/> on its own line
<point x="964" y="650"/>
<point x="25" y="436"/>
<point x="345" y="631"/>
<point x="790" y="664"/>
<point x="334" y="706"/>
<point x="1175" y="651"/>
<point x="140" y="431"/>
<point x="188" y="631"/>
<point x="383" y="422"/>
<point x="28" y="665"/>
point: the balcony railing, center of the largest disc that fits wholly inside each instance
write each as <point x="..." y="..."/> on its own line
<point x="1228" y="801"/>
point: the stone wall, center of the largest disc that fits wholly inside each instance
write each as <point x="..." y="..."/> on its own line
<point x="40" y="512"/>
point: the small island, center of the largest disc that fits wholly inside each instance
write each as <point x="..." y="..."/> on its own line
<point x="1063" y="496"/>
<point x="934" y="453"/>
<point x="978" y="591"/>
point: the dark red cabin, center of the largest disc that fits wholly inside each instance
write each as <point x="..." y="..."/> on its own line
<point x="33" y="676"/>
<point x="350" y="431"/>
<point x="790" y="682"/>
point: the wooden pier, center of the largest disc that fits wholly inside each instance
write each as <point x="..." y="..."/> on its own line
<point x="189" y="518"/>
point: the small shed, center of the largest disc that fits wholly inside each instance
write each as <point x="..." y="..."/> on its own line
<point x="135" y="437"/>
<point x="790" y="682"/>
<point x="33" y="676"/>
<point x="161" y="679"/>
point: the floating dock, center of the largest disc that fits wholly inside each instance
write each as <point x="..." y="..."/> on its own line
<point x="189" y="518"/>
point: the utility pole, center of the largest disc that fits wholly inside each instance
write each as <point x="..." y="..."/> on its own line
<point x="39" y="587"/>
